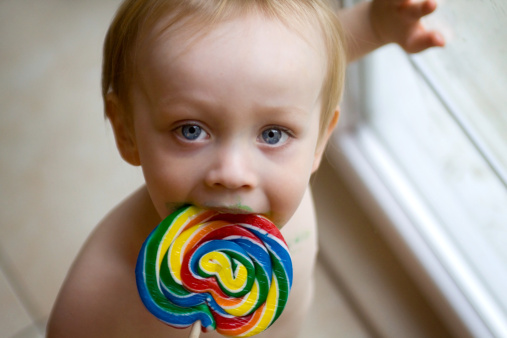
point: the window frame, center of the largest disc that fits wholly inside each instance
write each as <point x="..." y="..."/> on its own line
<point x="394" y="205"/>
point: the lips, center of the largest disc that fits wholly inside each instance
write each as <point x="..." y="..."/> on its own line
<point x="229" y="209"/>
<point x="235" y="209"/>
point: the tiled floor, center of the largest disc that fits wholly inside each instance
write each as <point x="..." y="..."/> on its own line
<point x="60" y="172"/>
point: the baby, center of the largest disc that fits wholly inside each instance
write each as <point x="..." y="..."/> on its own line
<point x="226" y="105"/>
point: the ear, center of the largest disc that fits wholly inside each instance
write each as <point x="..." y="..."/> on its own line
<point x="323" y="142"/>
<point x="123" y="130"/>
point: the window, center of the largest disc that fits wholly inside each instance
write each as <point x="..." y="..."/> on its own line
<point x="432" y="130"/>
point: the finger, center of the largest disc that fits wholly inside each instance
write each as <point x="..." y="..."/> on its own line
<point x="422" y="40"/>
<point x="416" y="10"/>
<point x="438" y="39"/>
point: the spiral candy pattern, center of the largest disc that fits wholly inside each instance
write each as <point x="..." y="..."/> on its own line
<point x="231" y="272"/>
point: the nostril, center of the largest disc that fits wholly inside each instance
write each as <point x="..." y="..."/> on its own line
<point x="231" y="184"/>
<point x="230" y="180"/>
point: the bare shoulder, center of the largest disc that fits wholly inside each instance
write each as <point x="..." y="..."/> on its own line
<point x="99" y="296"/>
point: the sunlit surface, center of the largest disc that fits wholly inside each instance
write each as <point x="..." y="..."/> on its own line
<point x="448" y="171"/>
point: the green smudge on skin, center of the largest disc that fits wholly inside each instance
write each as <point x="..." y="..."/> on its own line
<point x="301" y="237"/>
<point x="242" y="207"/>
<point x="171" y="207"/>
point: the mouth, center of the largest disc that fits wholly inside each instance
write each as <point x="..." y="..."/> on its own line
<point x="233" y="209"/>
<point x="237" y="209"/>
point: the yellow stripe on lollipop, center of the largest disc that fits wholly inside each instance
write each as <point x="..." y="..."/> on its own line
<point x="176" y="251"/>
<point x="173" y="231"/>
<point x="185" y="241"/>
<point x="269" y="310"/>
<point x="217" y="263"/>
<point x="247" y="305"/>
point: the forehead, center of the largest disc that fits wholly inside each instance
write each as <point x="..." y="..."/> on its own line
<point x="192" y="23"/>
<point x="253" y="45"/>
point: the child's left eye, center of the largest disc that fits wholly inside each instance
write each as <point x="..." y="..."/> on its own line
<point x="274" y="136"/>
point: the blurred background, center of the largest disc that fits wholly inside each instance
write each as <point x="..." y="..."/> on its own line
<point x="60" y="174"/>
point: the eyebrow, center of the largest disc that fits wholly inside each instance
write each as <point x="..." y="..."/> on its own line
<point x="202" y="103"/>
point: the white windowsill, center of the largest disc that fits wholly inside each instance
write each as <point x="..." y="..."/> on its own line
<point x="354" y="153"/>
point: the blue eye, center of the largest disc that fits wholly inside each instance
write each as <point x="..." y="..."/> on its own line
<point x="192" y="132"/>
<point x="273" y="136"/>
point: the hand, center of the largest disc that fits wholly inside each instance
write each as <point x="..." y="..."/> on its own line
<point x="399" y="21"/>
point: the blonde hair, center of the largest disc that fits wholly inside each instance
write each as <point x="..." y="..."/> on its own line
<point x="135" y="17"/>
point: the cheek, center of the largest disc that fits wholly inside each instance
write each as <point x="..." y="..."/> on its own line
<point x="168" y="187"/>
<point x="169" y="178"/>
<point x="287" y="185"/>
<point x="284" y="203"/>
<point x="160" y="164"/>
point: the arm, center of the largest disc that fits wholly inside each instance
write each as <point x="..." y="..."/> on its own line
<point x="370" y="25"/>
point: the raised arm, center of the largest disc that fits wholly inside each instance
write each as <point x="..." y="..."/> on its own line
<point x="370" y="25"/>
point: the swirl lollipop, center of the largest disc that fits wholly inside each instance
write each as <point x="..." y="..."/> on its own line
<point x="233" y="273"/>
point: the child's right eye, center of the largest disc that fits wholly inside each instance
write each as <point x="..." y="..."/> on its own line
<point x="192" y="132"/>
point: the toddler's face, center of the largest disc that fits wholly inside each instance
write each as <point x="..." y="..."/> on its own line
<point x="229" y="121"/>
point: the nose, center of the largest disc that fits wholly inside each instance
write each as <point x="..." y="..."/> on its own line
<point x="232" y="168"/>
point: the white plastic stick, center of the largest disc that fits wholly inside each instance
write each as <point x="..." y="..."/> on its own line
<point x="196" y="330"/>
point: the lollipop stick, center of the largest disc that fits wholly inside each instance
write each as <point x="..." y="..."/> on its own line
<point x="196" y="330"/>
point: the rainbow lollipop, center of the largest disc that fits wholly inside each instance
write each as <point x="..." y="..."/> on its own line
<point x="233" y="273"/>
